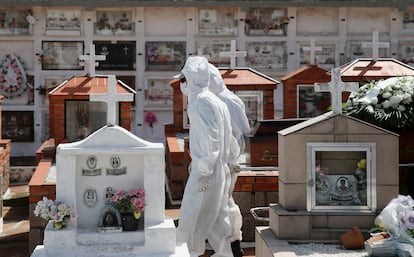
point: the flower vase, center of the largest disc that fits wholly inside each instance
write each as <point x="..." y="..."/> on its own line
<point x="129" y="222"/>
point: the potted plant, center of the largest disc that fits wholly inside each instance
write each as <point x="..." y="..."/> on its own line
<point x="130" y="204"/>
<point x="55" y="211"/>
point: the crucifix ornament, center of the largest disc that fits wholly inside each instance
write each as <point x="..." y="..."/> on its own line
<point x="312" y="49"/>
<point x="375" y="45"/>
<point x="336" y="86"/>
<point x="90" y="61"/>
<point x="111" y="98"/>
<point x="233" y="54"/>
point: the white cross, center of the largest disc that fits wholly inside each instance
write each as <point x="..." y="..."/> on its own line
<point x="90" y="61"/>
<point x="111" y="98"/>
<point x="312" y="49"/>
<point x="375" y="45"/>
<point x="233" y="54"/>
<point x="336" y="86"/>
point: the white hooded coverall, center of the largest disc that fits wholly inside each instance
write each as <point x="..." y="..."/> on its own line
<point x="240" y="129"/>
<point x="204" y="212"/>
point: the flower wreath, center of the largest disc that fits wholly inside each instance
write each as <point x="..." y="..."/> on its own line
<point x="12" y="77"/>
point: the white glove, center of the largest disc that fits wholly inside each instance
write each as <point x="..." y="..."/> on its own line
<point x="203" y="183"/>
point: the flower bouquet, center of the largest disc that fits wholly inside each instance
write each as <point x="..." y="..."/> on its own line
<point x="130" y="205"/>
<point x="385" y="103"/>
<point x="397" y="218"/>
<point x="150" y="119"/>
<point x="130" y="201"/>
<point x="55" y="211"/>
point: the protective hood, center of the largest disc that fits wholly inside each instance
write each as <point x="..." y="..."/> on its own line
<point x="196" y="72"/>
<point x="216" y="81"/>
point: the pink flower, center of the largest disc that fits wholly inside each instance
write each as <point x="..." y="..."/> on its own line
<point x="150" y="118"/>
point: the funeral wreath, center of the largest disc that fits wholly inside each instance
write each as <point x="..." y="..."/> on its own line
<point x="385" y="103"/>
<point x="55" y="211"/>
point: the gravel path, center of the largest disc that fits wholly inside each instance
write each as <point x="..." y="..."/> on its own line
<point x="326" y="250"/>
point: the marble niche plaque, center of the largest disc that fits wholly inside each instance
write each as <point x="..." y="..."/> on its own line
<point x="266" y="55"/>
<point x="212" y="50"/>
<point x="217" y="21"/>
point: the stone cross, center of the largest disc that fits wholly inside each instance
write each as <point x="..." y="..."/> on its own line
<point x="336" y="86"/>
<point x="111" y="98"/>
<point x="375" y="45"/>
<point x="312" y="49"/>
<point x="90" y="61"/>
<point x="233" y="54"/>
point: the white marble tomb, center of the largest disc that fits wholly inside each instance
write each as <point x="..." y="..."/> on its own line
<point x="139" y="163"/>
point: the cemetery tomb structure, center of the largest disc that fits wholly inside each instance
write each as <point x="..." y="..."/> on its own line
<point x="114" y="158"/>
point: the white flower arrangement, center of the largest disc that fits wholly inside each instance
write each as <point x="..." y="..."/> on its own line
<point x="56" y="211"/>
<point x="386" y="103"/>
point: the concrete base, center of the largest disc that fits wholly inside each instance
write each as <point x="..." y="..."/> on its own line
<point x="302" y="226"/>
<point x="267" y="245"/>
<point x="155" y="241"/>
<point x="180" y="251"/>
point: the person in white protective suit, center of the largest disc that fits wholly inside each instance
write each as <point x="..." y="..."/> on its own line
<point x="204" y="212"/>
<point x="240" y="129"/>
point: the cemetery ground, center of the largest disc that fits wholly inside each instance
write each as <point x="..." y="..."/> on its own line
<point x="14" y="239"/>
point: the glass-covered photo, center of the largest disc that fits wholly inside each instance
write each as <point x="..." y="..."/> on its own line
<point x="341" y="176"/>
<point x="311" y="103"/>
<point x="83" y="118"/>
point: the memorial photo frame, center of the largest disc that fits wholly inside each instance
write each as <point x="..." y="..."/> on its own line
<point x="63" y="22"/>
<point x="61" y="55"/>
<point x="18" y="126"/>
<point x="158" y="92"/>
<point x="311" y="103"/>
<point x="253" y="102"/>
<point x="165" y="55"/>
<point x="114" y="22"/>
<point x="217" y="21"/>
<point x="82" y="118"/>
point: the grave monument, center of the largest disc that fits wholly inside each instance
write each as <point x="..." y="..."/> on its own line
<point x="348" y="170"/>
<point x="87" y="173"/>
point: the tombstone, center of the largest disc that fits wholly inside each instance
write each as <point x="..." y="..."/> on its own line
<point x="111" y="158"/>
<point x="322" y="190"/>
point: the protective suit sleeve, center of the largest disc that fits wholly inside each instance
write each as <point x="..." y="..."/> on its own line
<point x="205" y="149"/>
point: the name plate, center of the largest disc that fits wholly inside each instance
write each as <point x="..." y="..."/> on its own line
<point x="116" y="172"/>
<point x="92" y="172"/>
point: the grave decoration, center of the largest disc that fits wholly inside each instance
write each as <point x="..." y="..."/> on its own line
<point x="386" y="103"/>
<point x="56" y="212"/>
<point x="393" y="232"/>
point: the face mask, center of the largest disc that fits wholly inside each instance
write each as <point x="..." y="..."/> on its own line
<point x="184" y="88"/>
